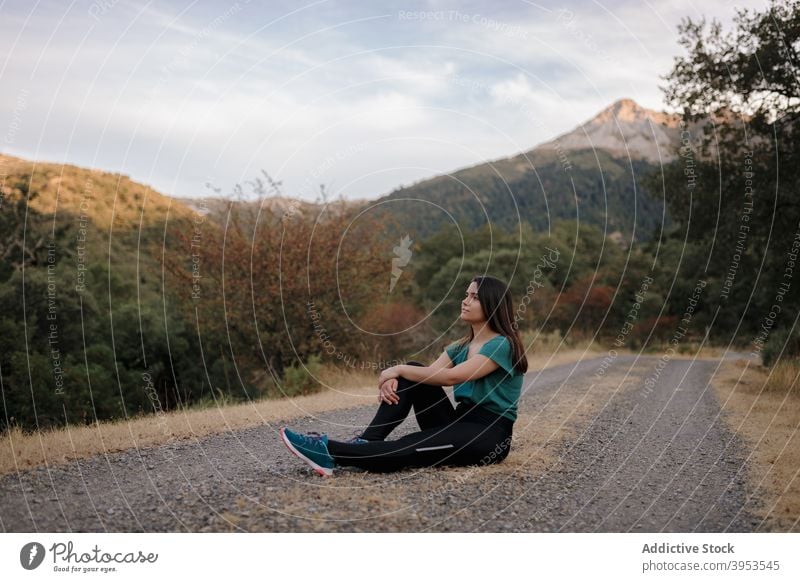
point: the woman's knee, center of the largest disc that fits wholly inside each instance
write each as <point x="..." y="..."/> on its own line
<point x="405" y="383"/>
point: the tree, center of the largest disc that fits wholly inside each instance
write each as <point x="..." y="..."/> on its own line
<point x="750" y="71"/>
<point x="734" y="186"/>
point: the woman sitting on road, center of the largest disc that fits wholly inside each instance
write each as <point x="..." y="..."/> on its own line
<point x="485" y="368"/>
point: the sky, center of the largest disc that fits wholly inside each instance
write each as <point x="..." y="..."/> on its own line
<point x="363" y="97"/>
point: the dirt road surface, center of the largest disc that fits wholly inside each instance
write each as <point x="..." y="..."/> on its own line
<point x="652" y="455"/>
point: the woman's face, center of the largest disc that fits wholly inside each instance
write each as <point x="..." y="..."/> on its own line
<point x="471" y="310"/>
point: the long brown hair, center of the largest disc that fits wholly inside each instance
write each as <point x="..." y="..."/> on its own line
<point x="495" y="299"/>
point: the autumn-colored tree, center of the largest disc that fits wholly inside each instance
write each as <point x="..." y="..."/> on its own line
<point x="585" y="305"/>
<point x="283" y="284"/>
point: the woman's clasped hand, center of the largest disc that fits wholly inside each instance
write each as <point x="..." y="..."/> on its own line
<point x="387" y="392"/>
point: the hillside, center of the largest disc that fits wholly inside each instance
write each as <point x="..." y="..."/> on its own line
<point x="64" y="188"/>
<point x="116" y="300"/>
<point x="91" y="324"/>
<point x="593" y="174"/>
<point x="106" y="213"/>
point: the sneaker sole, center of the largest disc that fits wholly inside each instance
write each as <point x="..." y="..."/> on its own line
<point x="324" y="471"/>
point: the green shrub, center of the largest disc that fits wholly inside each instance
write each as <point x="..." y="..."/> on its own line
<point x="301" y="379"/>
<point x="215" y="399"/>
<point x="775" y="344"/>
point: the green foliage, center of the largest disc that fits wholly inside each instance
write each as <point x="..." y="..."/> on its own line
<point x="749" y="70"/>
<point x="215" y="398"/>
<point x="301" y="378"/>
<point x="117" y="348"/>
<point x="533" y="189"/>
<point x="576" y="280"/>
<point x="740" y="216"/>
<point x="782" y="343"/>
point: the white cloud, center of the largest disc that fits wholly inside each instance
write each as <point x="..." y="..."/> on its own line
<point x="389" y="111"/>
<point x="516" y="89"/>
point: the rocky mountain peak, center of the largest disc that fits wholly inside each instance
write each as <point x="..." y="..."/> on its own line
<point x="626" y="128"/>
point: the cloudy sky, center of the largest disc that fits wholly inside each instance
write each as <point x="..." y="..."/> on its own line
<point x="360" y="96"/>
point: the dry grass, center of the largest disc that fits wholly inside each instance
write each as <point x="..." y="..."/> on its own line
<point x="24" y="450"/>
<point x="764" y="409"/>
<point x="688" y="350"/>
<point x="783" y="379"/>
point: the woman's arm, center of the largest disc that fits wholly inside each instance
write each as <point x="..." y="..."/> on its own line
<point x="474" y="367"/>
<point x="387" y="389"/>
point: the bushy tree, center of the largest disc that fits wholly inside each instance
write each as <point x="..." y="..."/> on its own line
<point x="734" y="186"/>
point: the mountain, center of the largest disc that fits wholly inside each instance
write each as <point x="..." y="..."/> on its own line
<point x="625" y="128"/>
<point x="591" y="174"/>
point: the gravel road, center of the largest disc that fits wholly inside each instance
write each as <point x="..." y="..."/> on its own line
<point x="648" y="460"/>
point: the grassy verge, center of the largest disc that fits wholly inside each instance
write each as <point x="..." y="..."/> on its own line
<point x="20" y="450"/>
<point x="687" y="350"/>
<point x="763" y="407"/>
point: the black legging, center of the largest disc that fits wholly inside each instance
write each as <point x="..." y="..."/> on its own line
<point x="466" y="435"/>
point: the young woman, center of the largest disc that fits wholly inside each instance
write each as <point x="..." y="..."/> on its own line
<point x="485" y="368"/>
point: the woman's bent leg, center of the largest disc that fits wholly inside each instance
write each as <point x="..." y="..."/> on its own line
<point x="431" y="407"/>
<point x="459" y="443"/>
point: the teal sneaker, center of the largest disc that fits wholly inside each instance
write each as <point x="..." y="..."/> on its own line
<point x="312" y="448"/>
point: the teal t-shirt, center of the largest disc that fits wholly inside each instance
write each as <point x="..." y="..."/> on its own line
<point x="498" y="391"/>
